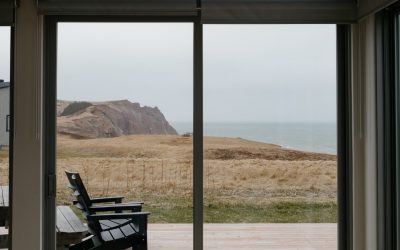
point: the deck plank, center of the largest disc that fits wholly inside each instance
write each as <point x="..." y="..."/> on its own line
<point x="3" y="196"/>
<point x="62" y="224"/>
<point x="70" y="229"/>
<point x="72" y="219"/>
<point x="299" y="236"/>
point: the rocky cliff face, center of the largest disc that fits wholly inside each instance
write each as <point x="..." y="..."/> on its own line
<point x="110" y="119"/>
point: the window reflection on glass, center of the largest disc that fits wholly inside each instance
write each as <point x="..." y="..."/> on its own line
<point x="270" y="136"/>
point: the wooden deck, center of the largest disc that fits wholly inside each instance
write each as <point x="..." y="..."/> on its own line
<point x="299" y="236"/>
<point x="302" y="236"/>
<point x="4" y="204"/>
<point x="245" y="236"/>
<point x="70" y="230"/>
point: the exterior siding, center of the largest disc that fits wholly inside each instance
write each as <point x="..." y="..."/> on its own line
<point x="4" y="111"/>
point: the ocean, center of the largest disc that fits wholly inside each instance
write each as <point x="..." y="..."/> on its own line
<point x="313" y="137"/>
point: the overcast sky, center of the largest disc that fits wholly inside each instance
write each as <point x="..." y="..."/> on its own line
<point x="270" y="73"/>
<point x="5" y="53"/>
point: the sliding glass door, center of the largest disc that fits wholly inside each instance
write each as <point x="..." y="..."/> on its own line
<point x="270" y="171"/>
<point x="5" y="131"/>
<point x="124" y="122"/>
<point x="249" y="158"/>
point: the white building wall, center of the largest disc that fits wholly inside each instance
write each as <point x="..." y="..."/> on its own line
<point x="4" y="111"/>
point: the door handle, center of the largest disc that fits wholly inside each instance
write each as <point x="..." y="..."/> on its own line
<point x="51" y="185"/>
<point x="8" y="127"/>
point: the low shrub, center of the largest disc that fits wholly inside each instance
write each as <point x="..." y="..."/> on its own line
<point x="75" y="107"/>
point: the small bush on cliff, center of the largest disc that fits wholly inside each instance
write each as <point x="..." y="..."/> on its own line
<point x="75" y="107"/>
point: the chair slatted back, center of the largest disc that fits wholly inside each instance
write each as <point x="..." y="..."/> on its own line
<point x="83" y="200"/>
<point x="80" y="193"/>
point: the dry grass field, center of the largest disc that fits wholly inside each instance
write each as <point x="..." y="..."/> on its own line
<point x="244" y="181"/>
<point x="4" y="166"/>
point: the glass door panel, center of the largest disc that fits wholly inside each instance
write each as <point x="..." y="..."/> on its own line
<point x="5" y="129"/>
<point x="124" y="120"/>
<point x="5" y="36"/>
<point x="270" y="137"/>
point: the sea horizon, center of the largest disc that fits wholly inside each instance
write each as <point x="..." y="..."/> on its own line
<point x="317" y="137"/>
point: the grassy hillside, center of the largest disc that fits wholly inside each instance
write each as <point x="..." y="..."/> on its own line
<point x="244" y="181"/>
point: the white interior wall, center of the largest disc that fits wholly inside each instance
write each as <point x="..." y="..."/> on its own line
<point x="364" y="135"/>
<point x="27" y="171"/>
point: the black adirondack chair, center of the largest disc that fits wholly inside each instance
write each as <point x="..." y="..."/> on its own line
<point x="124" y="226"/>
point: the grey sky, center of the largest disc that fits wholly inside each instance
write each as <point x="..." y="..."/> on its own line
<point x="5" y="53"/>
<point x="273" y="73"/>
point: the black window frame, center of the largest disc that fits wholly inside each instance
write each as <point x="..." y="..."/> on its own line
<point x="344" y="169"/>
<point x="388" y="126"/>
<point x="49" y="117"/>
<point x="344" y="138"/>
<point x="11" y="134"/>
<point x="397" y="115"/>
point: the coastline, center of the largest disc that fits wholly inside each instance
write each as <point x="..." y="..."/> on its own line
<point x="305" y="136"/>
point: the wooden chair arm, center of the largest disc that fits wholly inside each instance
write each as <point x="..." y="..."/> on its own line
<point x="115" y="199"/>
<point x="117" y="216"/>
<point x="118" y="208"/>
